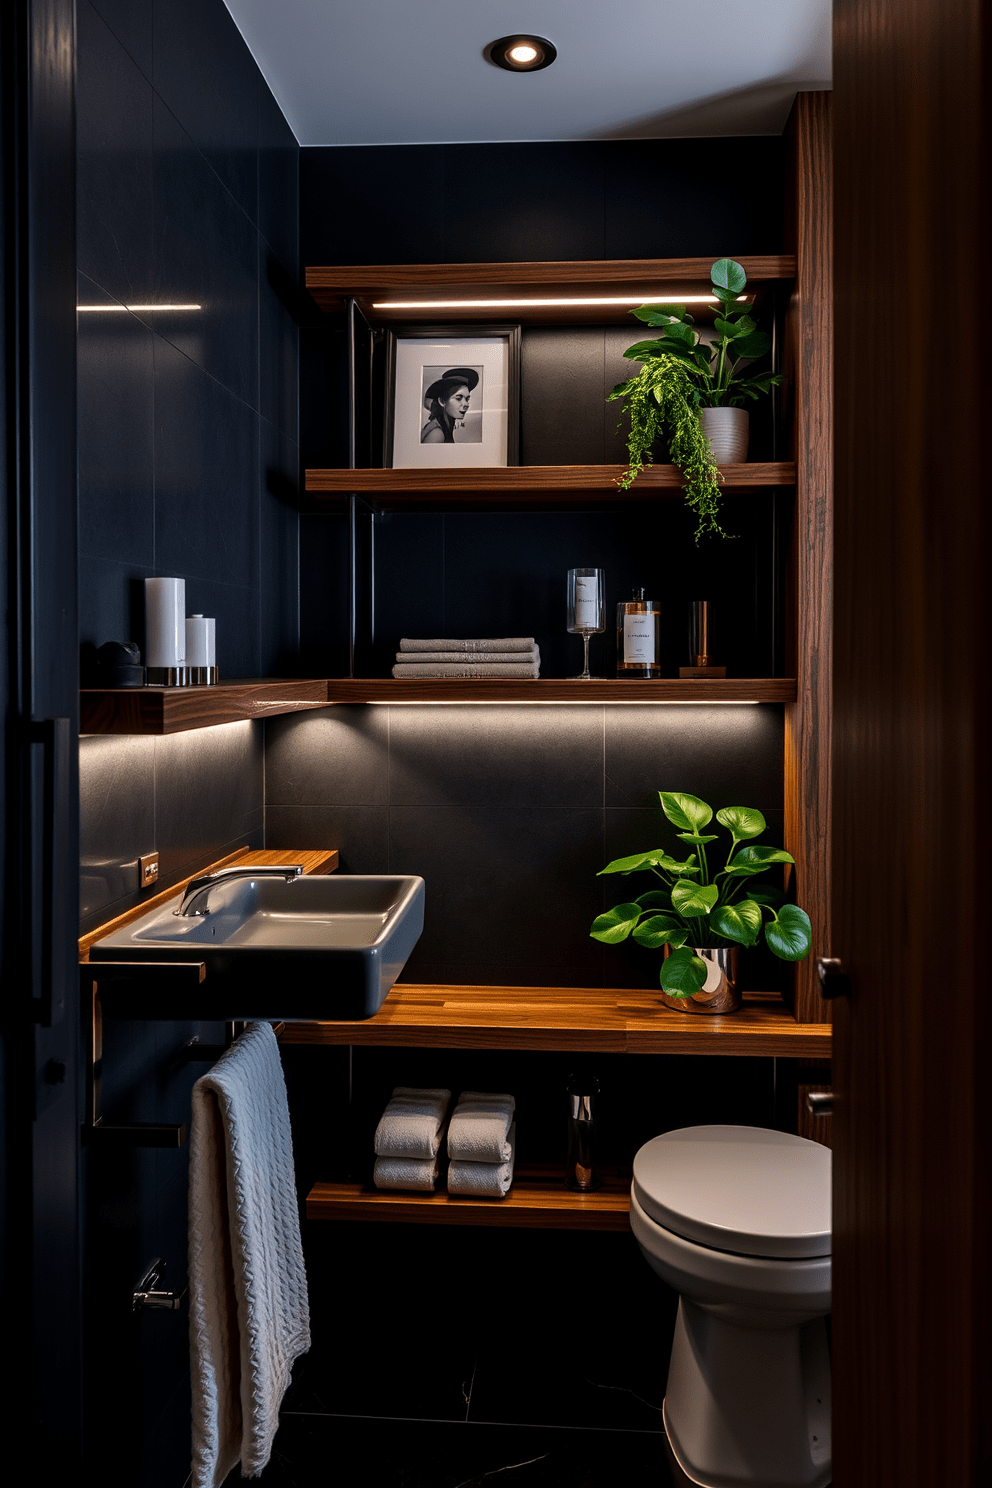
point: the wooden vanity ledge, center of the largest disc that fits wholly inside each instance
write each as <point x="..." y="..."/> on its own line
<point x="573" y="1019"/>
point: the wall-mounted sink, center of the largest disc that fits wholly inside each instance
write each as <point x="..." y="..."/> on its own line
<point x="321" y="947"/>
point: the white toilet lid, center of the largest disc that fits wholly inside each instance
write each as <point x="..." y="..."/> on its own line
<point x="738" y="1188"/>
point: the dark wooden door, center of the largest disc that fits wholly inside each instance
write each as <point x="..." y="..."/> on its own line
<point x="911" y="746"/>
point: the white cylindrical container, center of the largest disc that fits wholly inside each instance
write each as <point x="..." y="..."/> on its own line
<point x="201" y="649"/>
<point x="165" y="631"/>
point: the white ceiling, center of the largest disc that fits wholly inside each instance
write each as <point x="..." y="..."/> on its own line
<point x="378" y="72"/>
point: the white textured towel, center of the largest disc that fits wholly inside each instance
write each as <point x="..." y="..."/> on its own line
<point x="410" y="1126"/>
<point x="476" y="658"/>
<point x="502" y="643"/>
<point x="484" y="1180"/>
<point x="525" y="669"/>
<point x="406" y="1172"/>
<point x="248" y="1312"/>
<point x="479" y="1128"/>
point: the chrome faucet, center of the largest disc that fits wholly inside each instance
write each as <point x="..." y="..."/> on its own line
<point x="199" y="888"/>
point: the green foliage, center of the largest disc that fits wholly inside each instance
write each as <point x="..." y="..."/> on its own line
<point x="681" y="374"/>
<point x="695" y="909"/>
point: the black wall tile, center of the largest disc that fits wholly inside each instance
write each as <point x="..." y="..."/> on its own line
<point x="207" y="77"/>
<point x="561" y="395"/>
<point x="208" y="791"/>
<point x="278" y="350"/>
<point x="206" y="475"/>
<point x="360" y="833"/>
<point x="114" y="237"/>
<point x="491" y="756"/>
<point x="279" y="554"/>
<point x="111" y="603"/>
<point x="703" y="751"/>
<point x="375" y="204"/>
<point x="116" y="401"/>
<point x="206" y="253"/>
<point x="515" y="886"/>
<point x="324" y="595"/>
<point x="337" y="757"/>
<point x="131" y="23"/>
<point x="518" y="202"/>
<point x="116" y="820"/>
<point x="278" y="181"/>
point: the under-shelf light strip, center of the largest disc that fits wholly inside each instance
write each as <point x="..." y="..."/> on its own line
<point x="131" y="309"/>
<point x="645" y="297"/>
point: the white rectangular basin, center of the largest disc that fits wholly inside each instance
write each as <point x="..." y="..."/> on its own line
<point x="320" y="947"/>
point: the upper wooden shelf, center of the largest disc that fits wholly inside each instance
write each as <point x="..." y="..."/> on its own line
<point x="566" y="485"/>
<point x="560" y="690"/>
<point x="409" y="292"/>
<point x="173" y="710"/>
<point x="570" y="1019"/>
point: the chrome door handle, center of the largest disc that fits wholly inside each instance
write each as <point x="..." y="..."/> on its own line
<point x="820" y="1102"/>
<point x="834" y="980"/>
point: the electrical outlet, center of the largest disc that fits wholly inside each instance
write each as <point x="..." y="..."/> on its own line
<point x="148" y="869"/>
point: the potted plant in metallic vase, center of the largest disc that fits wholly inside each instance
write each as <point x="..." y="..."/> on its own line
<point x="701" y="920"/>
<point x="694" y="392"/>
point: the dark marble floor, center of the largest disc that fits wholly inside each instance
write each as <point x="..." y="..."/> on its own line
<point x="442" y="1358"/>
<point x="375" y="1453"/>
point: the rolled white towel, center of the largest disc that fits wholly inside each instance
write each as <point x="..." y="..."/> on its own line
<point x="479" y="1128"/>
<point x="406" y="1172"/>
<point x="410" y="1126"/>
<point x="484" y="1180"/>
<point x="498" y="643"/>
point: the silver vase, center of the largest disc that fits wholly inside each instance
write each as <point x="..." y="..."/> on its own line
<point x="721" y="991"/>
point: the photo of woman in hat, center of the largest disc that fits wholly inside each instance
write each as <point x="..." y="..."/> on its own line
<point x="447" y="401"/>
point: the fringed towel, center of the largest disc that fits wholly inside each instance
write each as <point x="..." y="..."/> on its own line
<point x="248" y="1311"/>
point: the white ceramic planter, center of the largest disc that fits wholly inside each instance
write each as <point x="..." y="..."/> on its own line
<point x="727" y="431"/>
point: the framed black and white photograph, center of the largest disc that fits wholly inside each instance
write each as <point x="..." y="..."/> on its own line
<point x="452" y="396"/>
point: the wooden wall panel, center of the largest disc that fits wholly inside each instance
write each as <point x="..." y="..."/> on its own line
<point x="912" y="745"/>
<point x="809" y="368"/>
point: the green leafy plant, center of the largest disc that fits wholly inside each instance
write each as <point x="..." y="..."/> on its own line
<point x="694" y="909"/>
<point x="680" y="374"/>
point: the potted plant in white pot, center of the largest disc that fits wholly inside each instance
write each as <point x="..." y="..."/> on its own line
<point x="701" y="922"/>
<point x="695" y="391"/>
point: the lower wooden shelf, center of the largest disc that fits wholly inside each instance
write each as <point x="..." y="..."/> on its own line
<point x="175" y="710"/>
<point x="561" y="690"/>
<point x="572" y="1020"/>
<point x="538" y="1200"/>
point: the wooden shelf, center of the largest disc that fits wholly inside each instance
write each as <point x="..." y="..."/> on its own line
<point x="544" y="485"/>
<point x="569" y="1019"/>
<point x="560" y="690"/>
<point x="538" y="1200"/>
<point x="172" y="710"/>
<point x="409" y="292"/>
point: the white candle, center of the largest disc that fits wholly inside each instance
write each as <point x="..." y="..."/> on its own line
<point x="165" y="628"/>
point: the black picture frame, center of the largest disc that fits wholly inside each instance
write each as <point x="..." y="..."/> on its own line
<point x="449" y="332"/>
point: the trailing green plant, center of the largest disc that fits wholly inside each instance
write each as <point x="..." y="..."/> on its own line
<point x="693" y="909"/>
<point x="680" y="374"/>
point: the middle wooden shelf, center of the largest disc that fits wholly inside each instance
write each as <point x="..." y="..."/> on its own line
<point x="572" y="1020"/>
<point x="558" y="485"/>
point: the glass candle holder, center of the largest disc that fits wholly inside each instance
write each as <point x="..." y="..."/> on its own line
<point x="586" y="609"/>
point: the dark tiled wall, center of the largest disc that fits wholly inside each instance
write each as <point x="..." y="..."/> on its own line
<point x="188" y="466"/>
<point x="188" y="420"/>
<point x="509" y="813"/>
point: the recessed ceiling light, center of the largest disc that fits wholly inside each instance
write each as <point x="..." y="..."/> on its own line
<point x="521" y="53"/>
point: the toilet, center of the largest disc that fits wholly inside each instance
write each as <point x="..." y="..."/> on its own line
<point x="737" y="1220"/>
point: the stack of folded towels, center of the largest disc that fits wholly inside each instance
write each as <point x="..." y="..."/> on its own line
<point x="408" y="1139"/>
<point x="481" y="1145"/>
<point x="513" y="656"/>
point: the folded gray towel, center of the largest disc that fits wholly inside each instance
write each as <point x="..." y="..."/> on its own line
<point x="463" y="669"/>
<point x="474" y="658"/>
<point x="410" y="1126"/>
<point x="484" y="1180"/>
<point x="479" y="1127"/>
<point x="501" y="643"/>
<point x="406" y="1172"/>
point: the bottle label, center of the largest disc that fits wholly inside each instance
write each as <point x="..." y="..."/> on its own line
<point x="586" y="602"/>
<point x="638" y="638"/>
